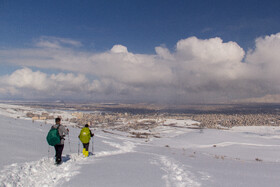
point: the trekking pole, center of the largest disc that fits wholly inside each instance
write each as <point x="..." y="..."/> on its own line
<point x="79" y="148"/>
<point x="92" y="145"/>
<point x="48" y="151"/>
<point x="69" y="143"/>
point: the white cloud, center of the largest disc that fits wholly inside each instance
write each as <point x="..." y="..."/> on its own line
<point x="35" y="84"/>
<point x="209" y="51"/>
<point x="265" y="57"/>
<point x="197" y="70"/>
<point x="56" y="43"/>
<point x="119" y="49"/>
<point x="26" y="78"/>
<point x="164" y="53"/>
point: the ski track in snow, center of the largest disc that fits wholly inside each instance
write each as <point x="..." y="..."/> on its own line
<point x="177" y="174"/>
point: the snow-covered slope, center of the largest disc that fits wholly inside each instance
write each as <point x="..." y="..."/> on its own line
<point x="180" y="157"/>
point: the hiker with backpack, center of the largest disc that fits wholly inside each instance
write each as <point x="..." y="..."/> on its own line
<point x="85" y="136"/>
<point x="56" y="139"/>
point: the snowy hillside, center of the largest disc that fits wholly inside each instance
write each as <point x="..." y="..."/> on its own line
<point x="243" y="156"/>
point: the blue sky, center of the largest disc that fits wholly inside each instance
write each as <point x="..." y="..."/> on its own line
<point x="140" y="25"/>
<point x="92" y="28"/>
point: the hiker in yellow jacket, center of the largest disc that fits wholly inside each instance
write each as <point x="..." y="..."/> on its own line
<point x="85" y="136"/>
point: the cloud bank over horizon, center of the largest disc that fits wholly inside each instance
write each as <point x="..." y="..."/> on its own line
<point x="196" y="71"/>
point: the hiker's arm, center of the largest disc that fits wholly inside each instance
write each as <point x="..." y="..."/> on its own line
<point x="65" y="131"/>
<point x="91" y="134"/>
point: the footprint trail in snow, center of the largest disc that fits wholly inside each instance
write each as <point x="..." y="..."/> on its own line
<point x="45" y="173"/>
<point x="40" y="173"/>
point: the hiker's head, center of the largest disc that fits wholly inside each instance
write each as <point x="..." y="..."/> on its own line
<point x="86" y="125"/>
<point x="57" y="120"/>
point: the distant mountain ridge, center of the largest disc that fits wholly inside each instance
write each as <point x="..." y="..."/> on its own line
<point x="265" y="99"/>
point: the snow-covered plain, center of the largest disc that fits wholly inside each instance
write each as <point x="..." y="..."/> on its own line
<point x="241" y="156"/>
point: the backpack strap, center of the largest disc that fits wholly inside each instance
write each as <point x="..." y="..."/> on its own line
<point x="58" y="131"/>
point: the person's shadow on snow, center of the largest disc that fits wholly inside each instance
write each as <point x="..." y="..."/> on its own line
<point x="65" y="158"/>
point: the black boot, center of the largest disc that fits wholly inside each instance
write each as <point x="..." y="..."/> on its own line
<point x="58" y="161"/>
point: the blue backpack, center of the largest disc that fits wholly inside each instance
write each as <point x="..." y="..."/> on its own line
<point x="53" y="137"/>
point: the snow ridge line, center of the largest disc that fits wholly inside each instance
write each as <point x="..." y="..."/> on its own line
<point x="225" y="144"/>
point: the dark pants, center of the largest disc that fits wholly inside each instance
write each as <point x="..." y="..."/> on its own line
<point x="58" y="152"/>
<point x="86" y="146"/>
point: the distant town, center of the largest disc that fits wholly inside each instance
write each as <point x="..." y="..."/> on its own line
<point x="139" y="116"/>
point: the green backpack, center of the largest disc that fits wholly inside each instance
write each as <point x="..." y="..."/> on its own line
<point x="85" y="135"/>
<point x="53" y="137"/>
